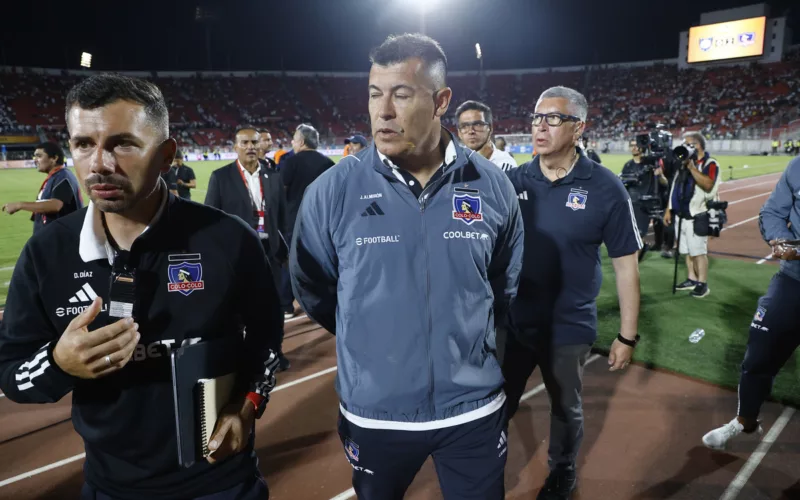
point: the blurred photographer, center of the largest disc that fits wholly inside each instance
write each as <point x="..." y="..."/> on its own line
<point x="696" y="183"/>
<point x="644" y="183"/>
<point x="586" y="148"/>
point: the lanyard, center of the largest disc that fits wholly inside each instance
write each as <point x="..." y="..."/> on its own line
<point x="247" y="187"/>
<point x="51" y="174"/>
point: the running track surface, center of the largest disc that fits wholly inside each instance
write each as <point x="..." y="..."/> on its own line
<point x="642" y="437"/>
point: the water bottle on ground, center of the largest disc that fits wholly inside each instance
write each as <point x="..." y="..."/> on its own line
<point x="696" y="335"/>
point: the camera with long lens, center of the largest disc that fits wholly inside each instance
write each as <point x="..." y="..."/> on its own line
<point x="685" y="152"/>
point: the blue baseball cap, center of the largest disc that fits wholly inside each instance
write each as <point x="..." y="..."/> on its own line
<point x="357" y="139"/>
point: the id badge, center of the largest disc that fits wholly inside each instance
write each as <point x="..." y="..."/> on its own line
<point x="122" y="295"/>
<point x="260" y="227"/>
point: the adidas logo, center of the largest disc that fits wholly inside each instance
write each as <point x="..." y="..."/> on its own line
<point x="85" y="294"/>
<point x="502" y="444"/>
<point x="372" y="209"/>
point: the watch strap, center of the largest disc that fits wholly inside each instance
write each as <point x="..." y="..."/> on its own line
<point x="627" y="342"/>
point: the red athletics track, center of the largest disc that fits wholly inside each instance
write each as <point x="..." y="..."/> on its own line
<point x="642" y="438"/>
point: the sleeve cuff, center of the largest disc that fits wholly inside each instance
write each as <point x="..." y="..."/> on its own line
<point x="57" y="372"/>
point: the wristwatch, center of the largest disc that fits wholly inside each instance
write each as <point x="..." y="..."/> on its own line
<point x="630" y="343"/>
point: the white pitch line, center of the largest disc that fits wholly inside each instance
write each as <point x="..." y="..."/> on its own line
<point x="721" y="192"/>
<point x="345" y="495"/>
<point x="351" y="493"/>
<point x="748" y="199"/>
<point x="768" y="257"/>
<point x="304" y="379"/>
<point x="46" y="468"/>
<point x="82" y="455"/>
<point x="749" y="179"/>
<point x="755" y="459"/>
<point x="740" y="223"/>
<point x="3" y="269"/>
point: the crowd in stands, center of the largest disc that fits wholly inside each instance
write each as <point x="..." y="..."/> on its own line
<point x="723" y="102"/>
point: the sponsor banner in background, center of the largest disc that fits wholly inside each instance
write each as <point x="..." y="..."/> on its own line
<point x="520" y="150"/>
<point x="16" y="164"/>
<point x="232" y="155"/>
<point x="19" y="139"/>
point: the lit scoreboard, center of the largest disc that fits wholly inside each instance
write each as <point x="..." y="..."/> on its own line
<point x="729" y="40"/>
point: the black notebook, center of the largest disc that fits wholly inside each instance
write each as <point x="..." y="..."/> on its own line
<point x="203" y="379"/>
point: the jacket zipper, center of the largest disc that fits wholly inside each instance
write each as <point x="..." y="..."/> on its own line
<point x="423" y="200"/>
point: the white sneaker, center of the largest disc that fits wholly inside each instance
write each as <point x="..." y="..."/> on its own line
<point x="288" y="315"/>
<point x="719" y="437"/>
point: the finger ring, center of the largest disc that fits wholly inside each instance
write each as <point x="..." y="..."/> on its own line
<point x="108" y="360"/>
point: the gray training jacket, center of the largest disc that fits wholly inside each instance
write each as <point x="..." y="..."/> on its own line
<point x="782" y="207"/>
<point x="411" y="288"/>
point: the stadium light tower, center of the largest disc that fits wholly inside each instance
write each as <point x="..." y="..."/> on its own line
<point x="479" y="55"/>
<point x="86" y="60"/>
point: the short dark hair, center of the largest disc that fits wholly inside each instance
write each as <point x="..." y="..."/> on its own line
<point x="398" y="48"/>
<point x="53" y="150"/>
<point x="179" y="154"/>
<point x="103" y="89"/>
<point x="475" y="106"/>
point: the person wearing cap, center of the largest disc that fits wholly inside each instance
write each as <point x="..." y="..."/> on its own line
<point x="355" y="144"/>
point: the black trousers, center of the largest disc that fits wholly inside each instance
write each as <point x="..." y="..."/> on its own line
<point x="470" y="458"/>
<point x="774" y="336"/>
<point x="252" y="489"/>
<point x="562" y="370"/>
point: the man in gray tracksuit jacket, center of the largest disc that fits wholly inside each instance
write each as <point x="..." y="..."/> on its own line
<point x="412" y="278"/>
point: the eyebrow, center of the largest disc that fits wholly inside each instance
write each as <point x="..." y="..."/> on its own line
<point x="117" y="137"/>
<point x="395" y="88"/>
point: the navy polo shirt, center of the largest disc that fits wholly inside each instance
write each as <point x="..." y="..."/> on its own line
<point x="565" y="223"/>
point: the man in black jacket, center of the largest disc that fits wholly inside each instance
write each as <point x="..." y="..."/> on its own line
<point x="302" y="168"/>
<point x="253" y="193"/>
<point x="139" y="273"/>
<point x="298" y="172"/>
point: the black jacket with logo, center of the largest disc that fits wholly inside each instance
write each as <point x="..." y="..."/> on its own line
<point x="127" y="419"/>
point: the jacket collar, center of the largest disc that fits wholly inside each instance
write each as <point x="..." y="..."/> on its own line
<point x="93" y="242"/>
<point x="455" y="157"/>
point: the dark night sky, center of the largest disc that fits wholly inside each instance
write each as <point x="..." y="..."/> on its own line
<point x="336" y="35"/>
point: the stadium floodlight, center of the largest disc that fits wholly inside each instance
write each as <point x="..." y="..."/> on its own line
<point x="423" y="7"/>
<point x="86" y="60"/>
<point x="478" y="53"/>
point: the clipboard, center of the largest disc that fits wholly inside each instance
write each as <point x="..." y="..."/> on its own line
<point x="190" y="364"/>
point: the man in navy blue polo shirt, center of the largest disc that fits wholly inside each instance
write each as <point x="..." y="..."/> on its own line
<point x="60" y="193"/>
<point x="570" y="205"/>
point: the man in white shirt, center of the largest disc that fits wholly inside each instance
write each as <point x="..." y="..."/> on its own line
<point x="475" y="131"/>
